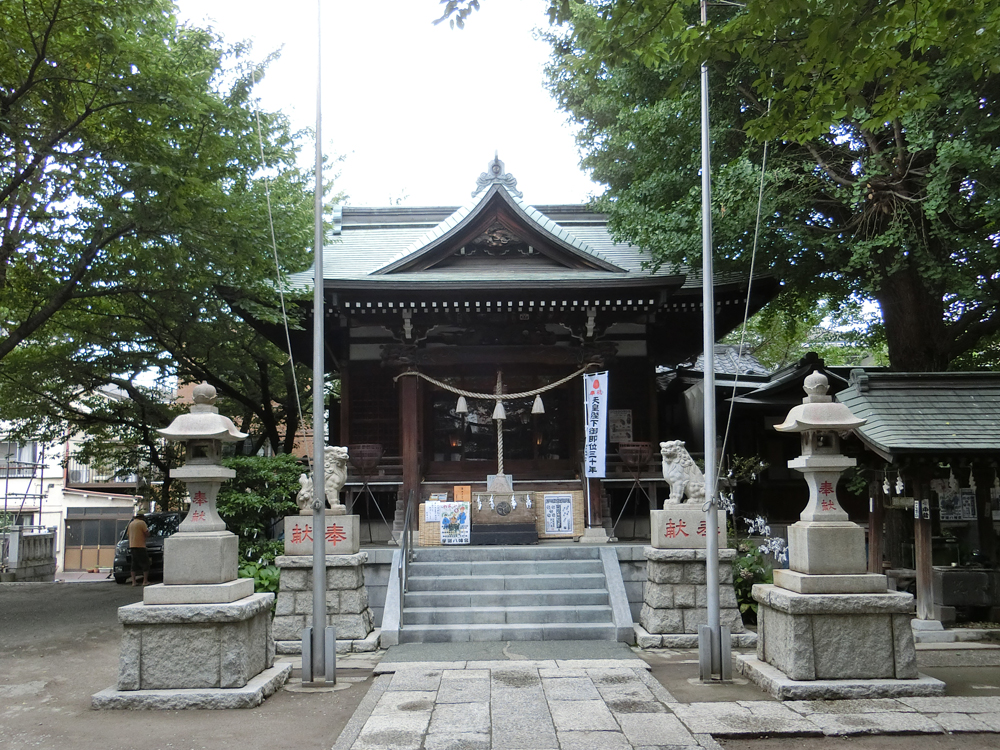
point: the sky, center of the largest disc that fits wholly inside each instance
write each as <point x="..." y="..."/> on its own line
<point x="417" y="110"/>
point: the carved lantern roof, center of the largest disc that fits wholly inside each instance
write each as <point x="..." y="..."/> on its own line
<point x="819" y="411"/>
<point x="203" y="422"/>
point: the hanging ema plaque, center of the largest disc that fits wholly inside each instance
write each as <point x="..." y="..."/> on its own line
<point x="558" y="514"/>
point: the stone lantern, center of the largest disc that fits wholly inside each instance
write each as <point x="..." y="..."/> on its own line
<point x="202" y="553"/>
<point x="202" y="638"/>
<point x="826" y="628"/>
<point x="823" y="541"/>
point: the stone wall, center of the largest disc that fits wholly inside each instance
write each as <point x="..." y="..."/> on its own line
<point x="675" y="595"/>
<point x="31" y="556"/>
<point x="347" y="606"/>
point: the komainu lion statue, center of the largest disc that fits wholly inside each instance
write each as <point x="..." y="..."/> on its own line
<point x="335" y="475"/>
<point x="681" y="473"/>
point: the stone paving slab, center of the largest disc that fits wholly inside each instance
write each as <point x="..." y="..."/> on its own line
<point x="538" y="705"/>
<point x="877" y="722"/>
<point x="749" y="718"/>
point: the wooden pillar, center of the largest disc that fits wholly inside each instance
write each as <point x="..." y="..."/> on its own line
<point x="595" y="518"/>
<point x="409" y="435"/>
<point x="922" y="546"/>
<point x="982" y="473"/>
<point x="875" y="530"/>
<point x="345" y="406"/>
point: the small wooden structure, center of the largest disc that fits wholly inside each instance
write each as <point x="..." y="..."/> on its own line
<point x="498" y="285"/>
<point x="935" y="440"/>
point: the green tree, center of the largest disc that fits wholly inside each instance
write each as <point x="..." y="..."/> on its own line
<point x="129" y="152"/>
<point x="134" y="233"/>
<point x="882" y="125"/>
<point x="262" y="493"/>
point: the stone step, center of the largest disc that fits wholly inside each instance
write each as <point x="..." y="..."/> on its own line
<point x="478" y="568"/>
<point x="504" y="583"/>
<point x="534" y="552"/>
<point x="503" y="615"/>
<point x="535" y="597"/>
<point x="457" y="633"/>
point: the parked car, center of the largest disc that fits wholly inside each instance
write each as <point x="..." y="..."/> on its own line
<point x="161" y="525"/>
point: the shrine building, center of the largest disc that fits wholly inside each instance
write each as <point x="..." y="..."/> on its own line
<point x="426" y="304"/>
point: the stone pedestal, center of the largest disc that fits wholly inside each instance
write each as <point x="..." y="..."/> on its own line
<point x="343" y="534"/>
<point x="200" y="557"/>
<point x="683" y="526"/>
<point x="835" y="636"/>
<point x="346" y="602"/>
<point x="675" y="597"/>
<point x="827" y="547"/>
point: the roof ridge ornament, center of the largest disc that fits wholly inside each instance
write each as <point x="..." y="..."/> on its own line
<point x="495" y="175"/>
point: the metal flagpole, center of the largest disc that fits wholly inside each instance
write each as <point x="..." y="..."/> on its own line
<point x="317" y="668"/>
<point x="710" y="649"/>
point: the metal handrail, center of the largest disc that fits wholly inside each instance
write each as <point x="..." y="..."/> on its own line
<point x="406" y="553"/>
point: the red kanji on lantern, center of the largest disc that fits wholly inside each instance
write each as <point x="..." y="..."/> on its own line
<point x="702" y="529"/>
<point x="675" y="529"/>
<point x="826" y="488"/>
<point x="199" y="498"/>
<point x="335" y="534"/>
<point x="198" y="515"/>
<point x="827" y="504"/>
<point x="301" y="534"/>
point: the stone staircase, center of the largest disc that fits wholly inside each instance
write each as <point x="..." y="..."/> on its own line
<point x="509" y="594"/>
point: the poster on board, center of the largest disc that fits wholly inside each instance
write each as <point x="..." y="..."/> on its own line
<point x="558" y="514"/>
<point x="455" y="523"/>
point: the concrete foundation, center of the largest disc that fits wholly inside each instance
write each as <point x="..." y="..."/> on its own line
<point x="195" y="646"/>
<point x="835" y="636"/>
<point x="675" y="597"/>
<point x="346" y="600"/>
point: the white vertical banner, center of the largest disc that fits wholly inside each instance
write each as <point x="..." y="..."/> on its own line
<point x="595" y="420"/>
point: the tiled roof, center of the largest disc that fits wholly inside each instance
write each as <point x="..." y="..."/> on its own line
<point x="382" y="238"/>
<point x="926" y="413"/>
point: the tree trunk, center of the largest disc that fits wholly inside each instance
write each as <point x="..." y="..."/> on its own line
<point x="915" y="331"/>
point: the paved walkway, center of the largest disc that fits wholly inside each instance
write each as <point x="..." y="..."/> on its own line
<point x="608" y="704"/>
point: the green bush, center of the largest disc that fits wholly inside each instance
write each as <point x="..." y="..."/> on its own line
<point x="262" y="492"/>
<point x="265" y="577"/>
<point x="750" y="566"/>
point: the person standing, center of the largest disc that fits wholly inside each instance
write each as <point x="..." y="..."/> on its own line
<point x="138" y="531"/>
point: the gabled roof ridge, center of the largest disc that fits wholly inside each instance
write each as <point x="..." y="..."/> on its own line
<point x="542" y="221"/>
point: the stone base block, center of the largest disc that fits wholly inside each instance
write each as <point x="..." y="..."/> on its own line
<point x="675" y="595"/>
<point x="346" y="646"/>
<point x="343" y="535"/>
<point x="250" y="695"/>
<point x="645" y="639"/>
<point x="347" y="606"/>
<point x="594" y="535"/>
<point x="803" y="583"/>
<point x="835" y="636"/>
<point x="195" y="646"/>
<point x="682" y="526"/>
<point x="777" y="684"/>
<point x="827" y="548"/>
<point x="191" y="557"/>
<point x="207" y="593"/>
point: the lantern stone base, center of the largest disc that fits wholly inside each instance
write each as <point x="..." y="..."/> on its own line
<point x="801" y="583"/>
<point x="214" y="593"/>
<point x="343" y="535"/>
<point x="682" y="526"/>
<point x="835" y="636"/>
<point x="346" y="600"/>
<point x="675" y="597"/>
<point x="177" y="647"/>
<point x="196" y="557"/>
<point x="827" y="547"/>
